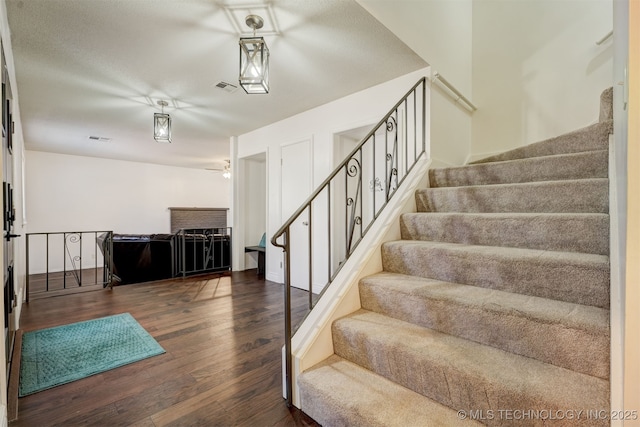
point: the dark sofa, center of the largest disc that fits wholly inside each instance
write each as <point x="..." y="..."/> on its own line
<point x="146" y="257"/>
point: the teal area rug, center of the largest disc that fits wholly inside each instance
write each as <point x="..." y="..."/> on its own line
<point x="55" y="356"/>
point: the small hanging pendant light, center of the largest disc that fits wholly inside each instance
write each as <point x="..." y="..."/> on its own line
<point x="162" y="124"/>
<point x="254" y="59"/>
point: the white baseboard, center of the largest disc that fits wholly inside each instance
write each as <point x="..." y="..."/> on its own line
<point x="438" y="163"/>
<point x="480" y="156"/>
<point x="616" y="313"/>
<point x="3" y="416"/>
<point x="273" y="277"/>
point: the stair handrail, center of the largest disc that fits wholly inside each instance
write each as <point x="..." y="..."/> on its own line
<point x="352" y="168"/>
<point x="605" y="38"/>
<point x="437" y="77"/>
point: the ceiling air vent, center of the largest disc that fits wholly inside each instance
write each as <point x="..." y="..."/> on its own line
<point x="227" y="87"/>
<point x="99" y="138"/>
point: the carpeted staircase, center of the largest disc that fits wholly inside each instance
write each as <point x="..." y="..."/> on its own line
<point x="495" y="301"/>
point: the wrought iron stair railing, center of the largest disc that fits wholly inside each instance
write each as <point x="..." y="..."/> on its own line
<point x="59" y="261"/>
<point x="338" y="214"/>
<point x="201" y="250"/>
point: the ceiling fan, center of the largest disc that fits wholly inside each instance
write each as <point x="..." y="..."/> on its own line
<point x="224" y="168"/>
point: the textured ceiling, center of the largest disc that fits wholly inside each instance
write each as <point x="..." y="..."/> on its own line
<point x="95" y="67"/>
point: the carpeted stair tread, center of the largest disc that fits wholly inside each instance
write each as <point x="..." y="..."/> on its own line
<point x="568" y="335"/>
<point x="569" y="196"/>
<point x="590" y="138"/>
<point x="591" y="164"/>
<point x="565" y="276"/>
<point x="573" y="232"/>
<point x="459" y="373"/>
<point x="606" y="105"/>
<point x="337" y="392"/>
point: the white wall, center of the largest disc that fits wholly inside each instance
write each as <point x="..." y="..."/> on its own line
<point x="318" y="125"/>
<point x="74" y="193"/>
<point x="531" y="66"/>
<point x="537" y="71"/>
<point x="440" y="32"/>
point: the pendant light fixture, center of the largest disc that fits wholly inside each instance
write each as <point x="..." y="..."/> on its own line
<point x="162" y="124"/>
<point x="254" y="59"/>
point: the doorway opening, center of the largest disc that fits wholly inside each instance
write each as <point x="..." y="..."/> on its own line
<point x="254" y="224"/>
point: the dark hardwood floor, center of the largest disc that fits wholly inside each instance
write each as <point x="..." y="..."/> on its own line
<point x="222" y="367"/>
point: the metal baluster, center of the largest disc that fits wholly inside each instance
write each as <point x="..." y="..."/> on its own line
<point x="47" y="268"/>
<point x="204" y="250"/>
<point x="27" y="267"/>
<point x="375" y="211"/>
<point x="184" y="253"/>
<point x="394" y="153"/>
<point x="80" y="272"/>
<point x="405" y="136"/>
<point x="361" y="198"/>
<point x="352" y="171"/>
<point x="230" y="252"/>
<point x="346" y="209"/>
<point x="329" y="258"/>
<point x="110" y="277"/>
<point x="386" y="164"/>
<point x="287" y="319"/>
<point x="95" y="258"/>
<point x="415" y="114"/>
<point x="424" y="119"/>
<point x="64" y="261"/>
<point x="309" y="225"/>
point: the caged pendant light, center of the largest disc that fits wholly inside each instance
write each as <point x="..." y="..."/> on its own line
<point x="254" y="59"/>
<point x="162" y="124"/>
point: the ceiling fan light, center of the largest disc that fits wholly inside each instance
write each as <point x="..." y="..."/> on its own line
<point x="227" y="170"/>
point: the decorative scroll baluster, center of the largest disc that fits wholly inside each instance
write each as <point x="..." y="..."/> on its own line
<point x="75" y="270"/>
<point x="392" y="158"/>
<point x="354" y="170"/>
